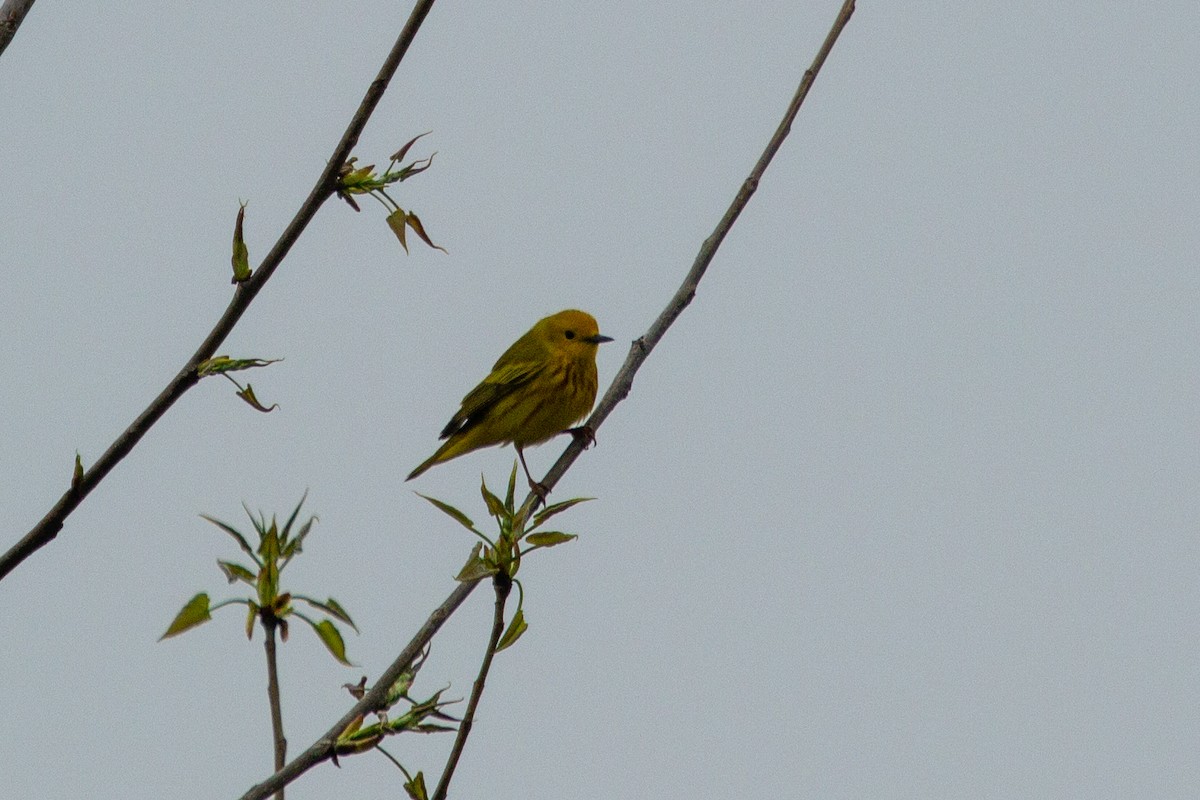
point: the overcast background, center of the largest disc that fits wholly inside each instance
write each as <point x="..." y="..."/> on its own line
<point x="904" y="506"/>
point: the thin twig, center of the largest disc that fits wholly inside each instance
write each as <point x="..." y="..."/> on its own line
<point x="619" y="389"/>
<point x="187" y="377"/>
<point x="503" y="586"/>
<point x="269" y="625"/>
<point x="12" y="14"/>
<point x="322" y="749"/>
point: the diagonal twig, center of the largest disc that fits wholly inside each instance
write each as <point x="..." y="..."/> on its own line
<point x="270" y="626"/>
<point x="503" y="584"/>
<point x="12" y="13"/>
<point x="619" y="389"/>
<point x="187" y="377"/>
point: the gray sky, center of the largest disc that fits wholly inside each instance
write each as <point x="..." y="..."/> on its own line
<point x="904" y="506"/>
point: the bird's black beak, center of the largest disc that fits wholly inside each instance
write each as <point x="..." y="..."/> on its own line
<point x="598" y="339"/>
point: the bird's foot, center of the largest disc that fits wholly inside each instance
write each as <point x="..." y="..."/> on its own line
<point x="585" y="434"/>
<point x="540" y="490"/>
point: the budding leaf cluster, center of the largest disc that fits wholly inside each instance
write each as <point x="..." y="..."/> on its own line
<point x="420" y="716"/>
<point x="269" y="605"/>
<point x="358" y="738"/>
<point x="518" y="536"/>
<point x="356" y="180"/>
<point x="223" y="365"/>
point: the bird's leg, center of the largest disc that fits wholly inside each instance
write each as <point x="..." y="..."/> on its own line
<point x="585" y="434"/>
<point x="537" y="488"/>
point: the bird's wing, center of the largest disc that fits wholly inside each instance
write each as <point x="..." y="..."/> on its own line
<point x="503" y="381"/>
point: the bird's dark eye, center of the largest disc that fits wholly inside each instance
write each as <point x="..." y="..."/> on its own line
<point x="570" y="334"/>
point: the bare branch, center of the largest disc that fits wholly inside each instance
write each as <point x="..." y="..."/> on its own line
<point x="12" y="14"/>
<point x="503" y="585"/>
<point x="623" y="382"/>
<point x="47" y="529"/>
<point x="270" y="624"/>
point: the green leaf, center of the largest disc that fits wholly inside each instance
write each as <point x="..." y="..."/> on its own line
<point x="557" y="508"/>
<point x="236" y="572"/>
<point x="399" y="689"/>
<point x="241" y="255"/>
<point x="403" y="151"/>
<point x="77" y="472"/>
<point x="292" y="545"/>
<point x="251" y="615"/>
<point x="355" y="724"/>
<point x="405" y="172"/>
<point x="267" y="583"/>
<point x="494" y="506"/>
<point x="549" y="538"/>
<point x="352" y="735"/>
<point x="454" y="513"/>
<point x="416" y="787"/>
<point x="218" y="365"/>
<point x="475" y="568"/>
<point x="414" y="222"/>
<point x="268" y="541"/>
<point x="291" y="520"/>
<point x="512" y="487"/>
<point x="335" y="608"/>
<point x="516" y="627"/>
<point x="396" y="221"/>
<point x="331" y="637"/>
<point x="359" y="741"/>
<point x="358" y="180"/>
<point x="232" y="531"/>
<point x="408" y="170"/>
<point x="304" y="530"/>
<point x="414" y="719"/>
<point x="247" y="394"/>
<point x="193" y="613"/>
<point x="330" y="607"/>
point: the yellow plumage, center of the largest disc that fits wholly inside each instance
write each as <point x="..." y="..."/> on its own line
<point x="542" y="385"/>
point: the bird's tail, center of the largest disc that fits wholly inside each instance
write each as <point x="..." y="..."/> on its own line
<point x="426" y="464"/>
<point x="451" y="448"/>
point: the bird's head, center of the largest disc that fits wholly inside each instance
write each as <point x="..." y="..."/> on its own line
<point x="573" y="333"/>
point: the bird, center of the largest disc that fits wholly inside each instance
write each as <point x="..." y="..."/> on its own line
<point x="542" y="385"/>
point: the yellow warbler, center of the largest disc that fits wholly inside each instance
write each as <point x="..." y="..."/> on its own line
<point x="542" y="385"/>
